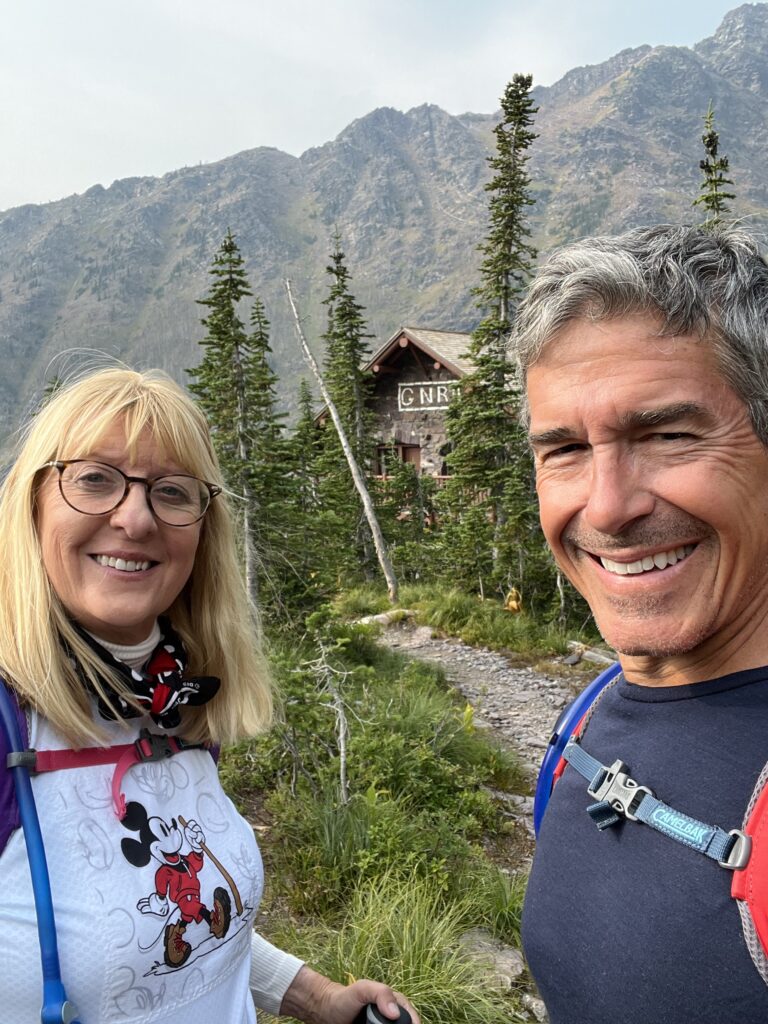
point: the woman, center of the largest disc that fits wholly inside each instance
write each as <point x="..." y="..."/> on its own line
<point x="122" y="610"/>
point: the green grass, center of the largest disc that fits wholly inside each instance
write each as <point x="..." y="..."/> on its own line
<point x="368" y="599"/>
<point x="405" y="930"/>
<point x="477" y="621"/>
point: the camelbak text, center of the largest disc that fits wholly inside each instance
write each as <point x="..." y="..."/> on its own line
<point x="678" y="825"/>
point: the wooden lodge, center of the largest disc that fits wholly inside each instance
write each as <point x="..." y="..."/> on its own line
<point x="415" y="373"/>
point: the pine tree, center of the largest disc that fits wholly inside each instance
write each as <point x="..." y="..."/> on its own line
<point x="304" y="443"/>
<point x="713" y="196"/>
<point x="272" y="525"/>
<point x="488" y="505"/>
<point x="235" y="388"/>
<point x="349" y="546"/>
<point x="308" y="543"/>
<point x="346" y="352"/>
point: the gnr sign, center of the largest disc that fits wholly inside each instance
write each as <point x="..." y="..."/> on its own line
<point x="423" y="396"/>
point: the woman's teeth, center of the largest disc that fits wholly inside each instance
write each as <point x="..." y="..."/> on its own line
<point x="120" y="563"/>
<point x="658" y="561"/>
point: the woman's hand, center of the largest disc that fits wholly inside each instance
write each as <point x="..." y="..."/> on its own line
<point x="315" y="999"/>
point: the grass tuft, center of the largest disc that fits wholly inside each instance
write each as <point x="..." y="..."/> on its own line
<point x="404" y="930"/>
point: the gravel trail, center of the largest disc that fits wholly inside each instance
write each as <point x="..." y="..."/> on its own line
<point x="520" y="703"/>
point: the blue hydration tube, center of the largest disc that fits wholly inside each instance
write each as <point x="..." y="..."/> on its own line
<point x="564" y="727"/>
<point x="56" y="1008"/>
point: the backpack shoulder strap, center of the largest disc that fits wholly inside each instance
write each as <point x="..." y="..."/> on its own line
<point x="568" y="722"/>
<point x="10" y="819"/>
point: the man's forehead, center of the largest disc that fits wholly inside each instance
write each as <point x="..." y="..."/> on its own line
<point x="626" y="369"/>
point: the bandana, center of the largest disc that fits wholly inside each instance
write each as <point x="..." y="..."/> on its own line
<point x="161" y="688"/>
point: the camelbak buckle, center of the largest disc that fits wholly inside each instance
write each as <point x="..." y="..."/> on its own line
<point x="616" y="787"/>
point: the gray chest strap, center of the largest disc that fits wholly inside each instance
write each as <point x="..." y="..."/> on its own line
<point x="619" y="796"/>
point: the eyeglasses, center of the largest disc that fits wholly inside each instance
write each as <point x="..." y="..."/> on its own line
<point x="96" y="488"/>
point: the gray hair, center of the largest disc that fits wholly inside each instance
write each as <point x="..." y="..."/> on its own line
<point x="713" y="283"/>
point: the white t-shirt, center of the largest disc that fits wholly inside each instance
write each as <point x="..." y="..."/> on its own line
<point x="155" y="913"/>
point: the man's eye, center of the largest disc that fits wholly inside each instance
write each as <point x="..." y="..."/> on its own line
<point x="565" y="449"/>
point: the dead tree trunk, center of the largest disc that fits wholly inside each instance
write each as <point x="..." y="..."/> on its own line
<point x="357" y="476"/>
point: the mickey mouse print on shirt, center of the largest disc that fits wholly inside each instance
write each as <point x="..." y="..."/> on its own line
<point x="179" y="849"/>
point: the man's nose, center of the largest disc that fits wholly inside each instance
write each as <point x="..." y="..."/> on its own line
<point x="619" y="492"/>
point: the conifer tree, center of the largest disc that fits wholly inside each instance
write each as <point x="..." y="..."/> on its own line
<point x="346" y="350"/>
<point x="713" y="196"/>
<point x="355" y="472"/>
<point x="488" y="506"/>
<point x="302" y="470"/>
<point x="304" y="443"/>
<point x="235" y="387"/>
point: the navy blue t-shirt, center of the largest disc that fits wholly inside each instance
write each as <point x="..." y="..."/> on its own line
<point x="627" y="926"/>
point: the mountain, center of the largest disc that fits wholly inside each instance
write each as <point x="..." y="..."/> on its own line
<point x="117" y="270"/>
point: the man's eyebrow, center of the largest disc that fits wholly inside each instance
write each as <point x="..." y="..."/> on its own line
<point x="634" y="420"/>
<point x="664" y="415"/>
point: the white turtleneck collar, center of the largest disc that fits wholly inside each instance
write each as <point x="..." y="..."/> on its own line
<point x="134" y="655"/>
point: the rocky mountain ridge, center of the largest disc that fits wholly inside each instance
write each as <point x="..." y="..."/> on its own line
<point x="117" y="270"/>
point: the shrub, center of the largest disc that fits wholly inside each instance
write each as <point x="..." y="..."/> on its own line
<point x="328" y="848"/>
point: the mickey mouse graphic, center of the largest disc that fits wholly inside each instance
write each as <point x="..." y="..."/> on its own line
<point x="176" y="880"/>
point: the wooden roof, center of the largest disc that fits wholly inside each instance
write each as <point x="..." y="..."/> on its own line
<point x="446" y="347"/>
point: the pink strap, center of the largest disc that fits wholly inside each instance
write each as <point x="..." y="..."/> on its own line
<point x="150" y="746"/>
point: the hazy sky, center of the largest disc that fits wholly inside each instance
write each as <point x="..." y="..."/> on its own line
<point x="93" y="90"/>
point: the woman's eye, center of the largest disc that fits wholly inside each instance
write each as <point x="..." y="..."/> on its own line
<point x="93" y="478"/>
<point x="171" y="493"/>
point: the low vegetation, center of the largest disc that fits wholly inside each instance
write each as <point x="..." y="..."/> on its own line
<point x="475" y="620"/>
<point x="377" y="789"/>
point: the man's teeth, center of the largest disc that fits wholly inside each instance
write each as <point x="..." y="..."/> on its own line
<point x="120" y="563"/>
<point x="658" y="561"/>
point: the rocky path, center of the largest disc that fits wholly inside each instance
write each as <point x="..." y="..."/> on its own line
<point x="517" y="701"/>
<point x="521" y="704"/>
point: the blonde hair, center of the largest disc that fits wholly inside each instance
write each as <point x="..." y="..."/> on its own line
<point x="212" y="614"/>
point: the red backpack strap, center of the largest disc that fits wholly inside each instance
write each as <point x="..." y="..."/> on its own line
<point x="150" y="746"/>
<point x="749" y="886"/>
<point x="562" y="764"/>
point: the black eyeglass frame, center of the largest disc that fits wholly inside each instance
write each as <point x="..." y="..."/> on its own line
<point x="61" y="465"/>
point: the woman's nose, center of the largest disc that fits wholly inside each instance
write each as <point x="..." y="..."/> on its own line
<point x="134" y="514"/>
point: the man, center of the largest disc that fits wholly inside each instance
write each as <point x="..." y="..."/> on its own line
<point x="645" y="361"/>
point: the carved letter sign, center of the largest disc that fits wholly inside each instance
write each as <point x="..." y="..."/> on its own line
<point x="423" y="396"/>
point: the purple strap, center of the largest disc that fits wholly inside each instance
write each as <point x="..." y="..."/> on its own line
<point x="9" y="809"/>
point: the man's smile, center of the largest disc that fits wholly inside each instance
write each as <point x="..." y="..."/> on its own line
<point x="647" y="563"/>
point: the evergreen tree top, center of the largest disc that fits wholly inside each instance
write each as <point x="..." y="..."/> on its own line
<point x="713" y="195"/>
<point x="508" y="254"/>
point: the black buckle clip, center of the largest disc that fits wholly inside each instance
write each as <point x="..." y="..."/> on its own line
<point x="153" y="746"/>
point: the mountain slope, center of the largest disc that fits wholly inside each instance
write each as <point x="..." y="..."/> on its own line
<point x="117" y="270"/>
